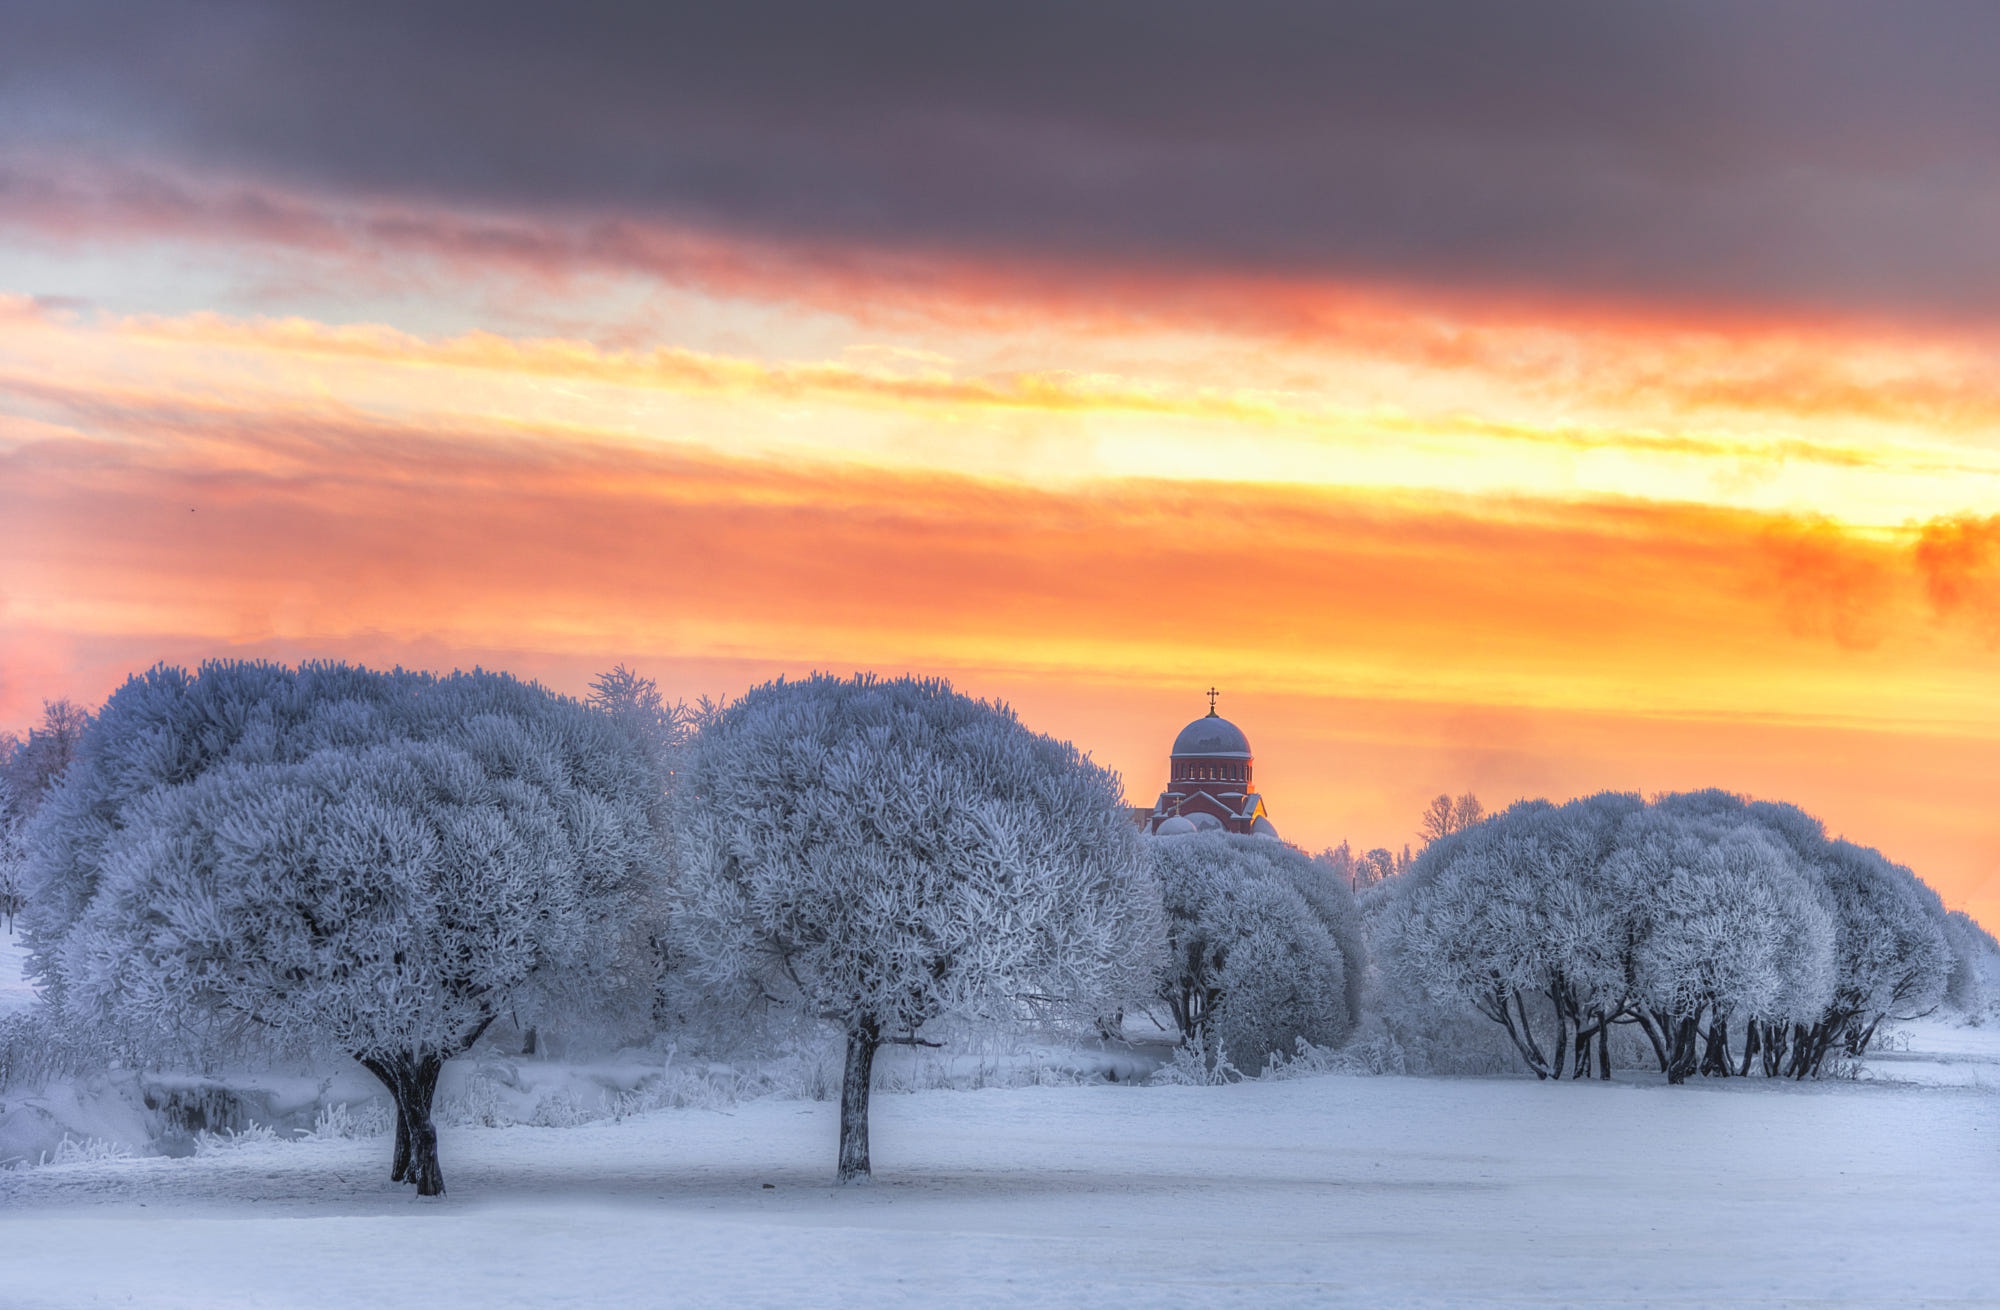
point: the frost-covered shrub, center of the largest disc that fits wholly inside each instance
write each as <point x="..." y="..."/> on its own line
<point x="339" y="1121"/>
<point x="1198" y="1062"/>
<point x="333" y="858"/>
<point x="883" y="853"/>
<point x="231" y="1139"/>
<point x="1264" y="947"/>
<point x="86" y="1150"/>
<point x="36" y="1046"/>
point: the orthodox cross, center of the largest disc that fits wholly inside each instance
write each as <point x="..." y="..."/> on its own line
<point x="1211" y="702"/>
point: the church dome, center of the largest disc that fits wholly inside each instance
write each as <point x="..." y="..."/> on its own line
<point x="1173" y="827"/>
<point x="1211" y="735"/>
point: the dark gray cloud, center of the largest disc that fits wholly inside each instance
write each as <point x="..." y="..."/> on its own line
<point x="1818" y="153"/>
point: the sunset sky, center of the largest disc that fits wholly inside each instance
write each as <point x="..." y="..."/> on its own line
<point x="1527" y="399"/>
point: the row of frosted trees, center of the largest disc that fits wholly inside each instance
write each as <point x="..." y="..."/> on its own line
<point x="1735" y="935"/>
<point x="383" y="865"/>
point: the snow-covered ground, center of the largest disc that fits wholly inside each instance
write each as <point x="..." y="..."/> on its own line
<point x="1329" y="1190"/>
<point x="1355" y="1190"/>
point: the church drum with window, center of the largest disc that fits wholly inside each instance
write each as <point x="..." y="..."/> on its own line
<point x="1211" y="783"/>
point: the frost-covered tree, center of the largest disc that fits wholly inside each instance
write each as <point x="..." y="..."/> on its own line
<point x="559" y="1002"/>
<point x="1727" y="927"/>
<point x="1447" y="815"/>
<point x="334" y="858"/>
<point x="886" y="852"/>
<point x="1695" y="917"/>
<point x="1517" y="918"/>
<point x="1892" y="957"/>
<point x="1975" y="964"/>
<point x="1264" y="946"/>
<point x="659" y="726"/>
<point x="28" y="770"/>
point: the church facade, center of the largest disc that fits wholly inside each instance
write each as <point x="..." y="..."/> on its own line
<point x="1211" y="783"/>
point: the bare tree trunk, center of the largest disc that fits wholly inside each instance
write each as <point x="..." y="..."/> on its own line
<point x="1750" y="1030"/>
<point x="1715" y="1052"/>
<point x="1524" y="1037"/>
<point x="412" y="1079"/>
<point x="1776" y="1042"/>
<point x="399" y="1165"/>
<point x="1604" y="1051"/>
<point x="862" y="1040"/>
<point x="1802" y="1044"/>
<point x="1685" y="1056"/>
<point x="1655" y="1035"/>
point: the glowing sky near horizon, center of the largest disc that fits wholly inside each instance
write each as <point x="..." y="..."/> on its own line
<point x="1528" y="499"/>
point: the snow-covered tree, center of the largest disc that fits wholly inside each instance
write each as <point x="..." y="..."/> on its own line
<point x="886" y="852"/>
<point x="1264" y="946"/>
<point x="1892" y="957"/>
<point x="1515" y="917"/>
<point x="13" y="861"/>
<point x="334" y="858"/>
<point x="1694" y="917"/>
<point x="1974" y="977"/>
<point x="660" y="727"/>
<point x="1446" y="815"/>
<point x="28" y="770"/>
<point x="1727" y="928"/>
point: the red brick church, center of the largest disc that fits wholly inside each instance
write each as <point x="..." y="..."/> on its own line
<point x="1210" y="782"/>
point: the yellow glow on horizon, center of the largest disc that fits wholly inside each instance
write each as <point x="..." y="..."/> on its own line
<point x="1486" y="434"/>
<point x="1517" y="555"/>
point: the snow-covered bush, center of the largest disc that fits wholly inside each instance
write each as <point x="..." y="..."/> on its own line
<point x="36" y="1045"/>
<point x="339" y="859"/>
<point x="1198" y="1063"/>
<point x="1264" y="946"/>
<point x="883" y="853"/>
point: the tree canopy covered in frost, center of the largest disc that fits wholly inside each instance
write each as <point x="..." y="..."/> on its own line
<point x="1264" y="946"/>
<point x="328" y="856"/>
<point x="1695" y="918"/>
<point x="1973" y="981"/>
<point x="884" y="852"/>
<point x="1727" y="926"/>
<point x="28" y="771"/>
<point x="1520" y="908"/>
<point x="1892" y="956"/>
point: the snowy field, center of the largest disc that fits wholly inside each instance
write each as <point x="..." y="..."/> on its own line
<point x="1330" y="1190"/>
<point x="1349" y="1190"/>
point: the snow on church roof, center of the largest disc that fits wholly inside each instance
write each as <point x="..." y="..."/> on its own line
<point x="1211" y="735"/>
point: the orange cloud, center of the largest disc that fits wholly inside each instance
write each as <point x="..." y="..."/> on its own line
<point x="1381" y="648"/>
<point x="1960" y="559"/>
